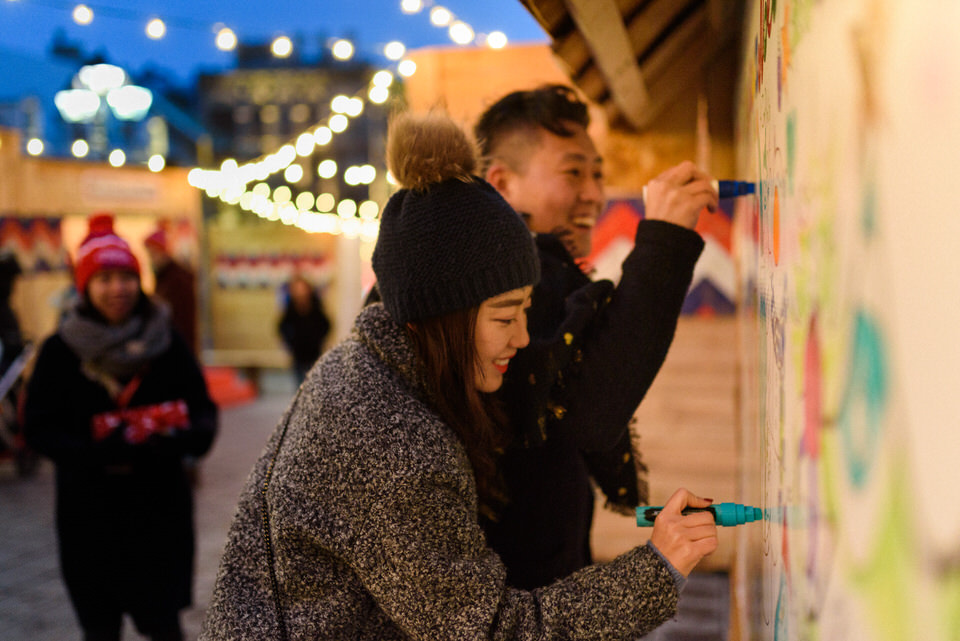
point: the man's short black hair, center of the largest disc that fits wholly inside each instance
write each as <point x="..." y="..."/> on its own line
<point x="551" y="107"/>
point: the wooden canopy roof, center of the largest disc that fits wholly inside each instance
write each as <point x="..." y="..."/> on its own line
<point x="636" y="57"/>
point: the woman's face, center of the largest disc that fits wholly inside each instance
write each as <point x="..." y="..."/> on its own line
<point x="114" y="293"/>
<point x="300" y="294"/>
<point x="501" y="330"/>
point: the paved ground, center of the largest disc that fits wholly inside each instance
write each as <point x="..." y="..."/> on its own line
<point x="34" y="605"/>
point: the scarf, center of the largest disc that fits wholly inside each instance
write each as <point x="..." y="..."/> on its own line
<point x="111" y="354"/>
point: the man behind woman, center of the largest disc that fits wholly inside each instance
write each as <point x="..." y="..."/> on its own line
<point x="360" y="520"/>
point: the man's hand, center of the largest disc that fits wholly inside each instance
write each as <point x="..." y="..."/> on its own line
<point x="679" y="194"/>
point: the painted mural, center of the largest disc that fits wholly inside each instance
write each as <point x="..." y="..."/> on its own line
<point x="849" y="303"/>
<point x="36" y="242"/>
<point x="714" y="285"/>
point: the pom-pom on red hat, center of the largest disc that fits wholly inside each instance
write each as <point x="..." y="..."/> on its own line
<point x="102" y="249"/>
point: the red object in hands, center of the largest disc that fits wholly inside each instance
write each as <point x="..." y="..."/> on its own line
<point x="140" y="423"/>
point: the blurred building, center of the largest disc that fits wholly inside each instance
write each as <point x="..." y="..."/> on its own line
<point x="64" y="106"/>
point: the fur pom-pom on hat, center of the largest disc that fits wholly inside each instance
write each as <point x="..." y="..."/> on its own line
<point x="448" y="240"/>
<point x="102" y="249"/>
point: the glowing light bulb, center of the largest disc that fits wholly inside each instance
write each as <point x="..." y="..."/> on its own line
<point x="322" y="135"/>
<point x="394" y="50"/>
<point x="378" y="95"/>
<point x="347" y="208"/>
<point x="497" y="40"/>
<point x="339" y="104"/>
<point x="305" y="144"/>
<point x="226" y="39"/>
<point x="342" y="49"/>
<point x="368" y="173"/>
<point x="325" y="202"/>
<point x="286" y="155"/>
<point x="350" y="176"/>
<point x="117" y="158"/>
<point x="80" y="148"/>
<point x="354" y="107"/>
<point x="156" y="163"/>
<point x="293" y="173"/>
<point x="156" y="29"/>
<point x="440" y="16"/>
<point x="382" y="78"/>
<point x="34" y="146"/>
<point x="304" y="201"/>
<point x="407" y="68"/>
<point x="327" y="168"/>
<point x="82" y="14"/>
<point x="289" y="214"/>
<point x="338" y="123"/>
<point x="369" y="210"/>
<point x="461" y="33"/>
<point x="281" y="47"/>
<point x="411" y="6"/>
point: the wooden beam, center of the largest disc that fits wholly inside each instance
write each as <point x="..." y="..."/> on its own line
<point x="601" y="24"/>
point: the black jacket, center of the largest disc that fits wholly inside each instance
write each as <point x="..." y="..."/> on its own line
<point x="595" y="350"/>
<point x="124" y="511"/>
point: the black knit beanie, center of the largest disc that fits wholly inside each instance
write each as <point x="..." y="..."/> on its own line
<point x="449" y="247"/>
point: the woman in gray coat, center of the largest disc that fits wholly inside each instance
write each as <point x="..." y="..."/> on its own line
<point x="360" y="520"/>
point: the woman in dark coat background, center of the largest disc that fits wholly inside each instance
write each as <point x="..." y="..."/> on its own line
<point x="116" y="400"/>
<point x="303" y="326"/>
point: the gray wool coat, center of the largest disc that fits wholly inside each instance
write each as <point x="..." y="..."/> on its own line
<point x="372" y="514"/>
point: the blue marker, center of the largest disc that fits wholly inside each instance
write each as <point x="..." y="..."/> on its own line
<point x="733" y="188"/>
<point x="725" y="188"/>
<point x="726" y="514"/>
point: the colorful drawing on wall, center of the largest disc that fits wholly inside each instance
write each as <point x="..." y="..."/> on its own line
<point x="36" y="242"/>
<point x="847" y="262"/>
<point x="713" y="289"/>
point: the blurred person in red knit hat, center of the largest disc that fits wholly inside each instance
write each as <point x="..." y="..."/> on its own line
<point x="117" y="400"/>
<point x="175" y="284"/>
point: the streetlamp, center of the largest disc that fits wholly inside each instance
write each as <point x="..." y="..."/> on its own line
<point x="96" y="91"/>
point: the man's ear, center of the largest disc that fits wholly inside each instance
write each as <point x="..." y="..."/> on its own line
<point x="500" y="177"/>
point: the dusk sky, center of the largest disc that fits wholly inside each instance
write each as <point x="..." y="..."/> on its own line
<point x="117" y="29"/>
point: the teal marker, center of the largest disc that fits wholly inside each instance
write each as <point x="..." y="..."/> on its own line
<point x="726" y="514"/>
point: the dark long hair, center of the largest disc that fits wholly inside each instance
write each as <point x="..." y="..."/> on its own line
<point x="447" y="348"/>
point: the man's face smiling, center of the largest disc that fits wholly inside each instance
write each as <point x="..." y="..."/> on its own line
<point x="559" y="188"/>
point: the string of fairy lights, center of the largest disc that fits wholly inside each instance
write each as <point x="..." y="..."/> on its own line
<point x="322" y="213"/>
<point x="244" y="185"/>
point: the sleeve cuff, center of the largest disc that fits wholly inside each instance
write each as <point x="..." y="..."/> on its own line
<point x="687" y="241"/>
<point x="678" y="579"/>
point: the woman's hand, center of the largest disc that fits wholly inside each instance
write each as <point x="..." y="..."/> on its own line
<point x="684" y="539"/>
